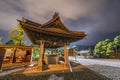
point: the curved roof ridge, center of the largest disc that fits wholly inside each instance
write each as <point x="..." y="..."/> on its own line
<point x="30" y="22"/>
<point x="55" y="18"/>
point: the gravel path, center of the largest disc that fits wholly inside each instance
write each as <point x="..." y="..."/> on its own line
<point x="82" y="74"/>
<point x="10" y="71"/>
<point x="107" y="67"/>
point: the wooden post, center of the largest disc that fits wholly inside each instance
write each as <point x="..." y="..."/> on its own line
<point x="65" y="53"/>
<point x="55" y="51"/>
<point x="31" y="55"/>
<point x="40" y="63"/>
<point x="13" y="60"/>
<point x="2" y="53"/>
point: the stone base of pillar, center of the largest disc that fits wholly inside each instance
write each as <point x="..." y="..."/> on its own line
<point x="40" y="68"/>
<point x="43" y="67"/>
<point x="66" y="64"/>
<point x="0" y="70"/>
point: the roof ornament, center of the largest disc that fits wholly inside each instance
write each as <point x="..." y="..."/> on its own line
<point x="24" y="20"/>
<point x="56" y="15"/>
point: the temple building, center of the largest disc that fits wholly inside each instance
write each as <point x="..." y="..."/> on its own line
<point x="52" y="34"/>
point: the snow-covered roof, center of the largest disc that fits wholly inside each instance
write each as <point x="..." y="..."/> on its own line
<point x="84" y="51"/>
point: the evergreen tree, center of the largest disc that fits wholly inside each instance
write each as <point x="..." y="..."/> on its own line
<point x="117" y="42"/>
<point x="36" y="51"/>
<point x="1" y="39"/>
<point x="98" y="47"/>
<point x="102" y="48"/>
<point x="110" y="47"/>
<point x="10" y="42"/>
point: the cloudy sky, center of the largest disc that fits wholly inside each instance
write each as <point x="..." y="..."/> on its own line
<point x="99" y="19"/>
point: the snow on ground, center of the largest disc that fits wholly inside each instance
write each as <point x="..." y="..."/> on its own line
<point x="106" y="62"/>
<point x="107" y="67"/>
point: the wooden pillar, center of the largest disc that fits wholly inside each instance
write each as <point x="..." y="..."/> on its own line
<point x="55" y="51"/>
<point x="12" y="56"/>
<point x="2" y="54"/>
<point x="40" y="63"/>
<point x="65" y="53"/>
<point x="31" y="55"/>
<point x="13" y="59"/>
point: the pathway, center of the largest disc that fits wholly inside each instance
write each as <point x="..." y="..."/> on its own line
<point x="107" y="67"/>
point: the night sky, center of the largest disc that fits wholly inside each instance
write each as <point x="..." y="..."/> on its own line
<point x="99" y="19"/>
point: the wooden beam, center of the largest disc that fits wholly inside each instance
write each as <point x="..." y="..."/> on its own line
<point x="30" y="22"/>
<point x="52" y="44"/>
<point x="31" y="55"/>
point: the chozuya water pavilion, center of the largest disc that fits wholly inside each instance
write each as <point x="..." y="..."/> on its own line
<point x="52" y="34"/>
